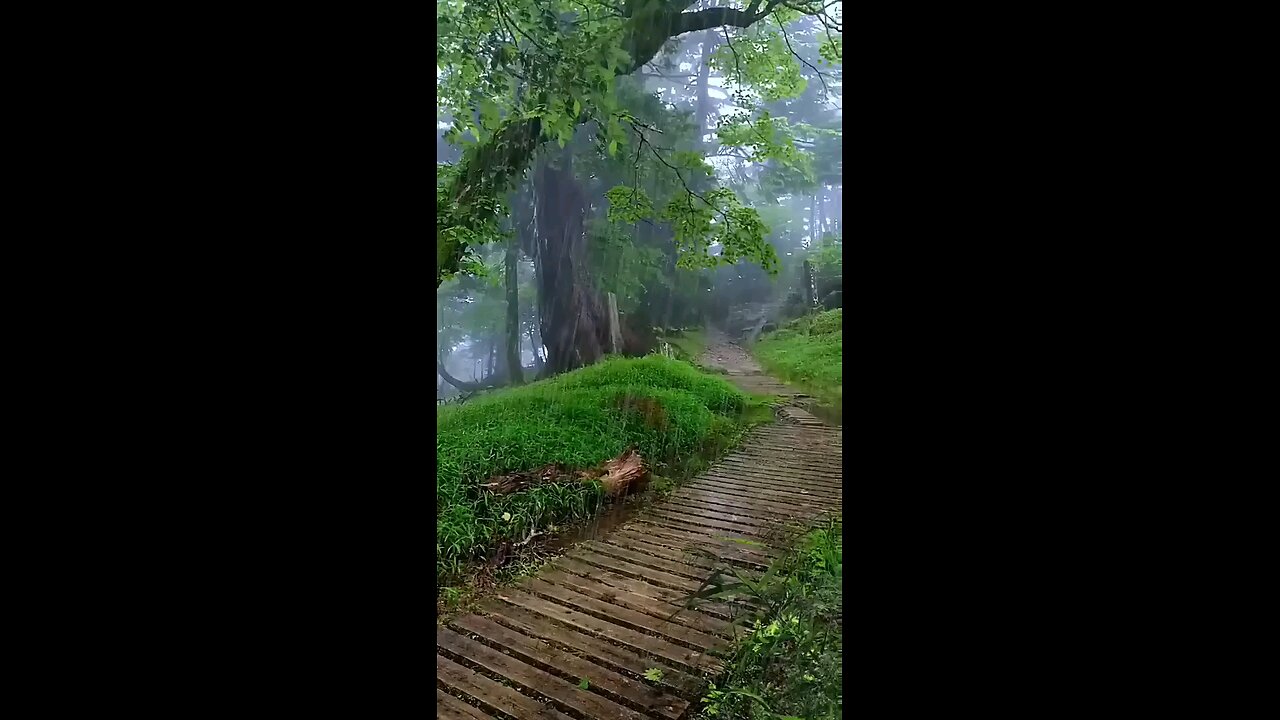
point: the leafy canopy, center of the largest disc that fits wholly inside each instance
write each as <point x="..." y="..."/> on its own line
<point x="512" y="74"/>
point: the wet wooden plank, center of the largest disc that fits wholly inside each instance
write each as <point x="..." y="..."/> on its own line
<point x="691" y="660"/>
<point x="718" y="486"/>
<point x="639" y="603"/>
<point x="725" y="506"/>
<point x="544" y="655"/>
<point x="827" y="472"/>
<point x="622" y="567"/>
<point x="662" y="528"/>
<point x="731" y="475"/>
<point x="714" y="499"/>
<point x="708" y="555"/>
<point x="714" y="490"/>
<point x="775" y="478"/>
<point x="778" y="472"/>
<point x="635" y="541"/>
<point x="739" y="528"/>
<point x="561" y="691"/>
<point x="770" y="491"/>
<point x="451" y="708"/>
<point x="801" y="504"/>
<point x="767" y="452"/>
<point x="658" y="527"/>
<point x="780" y="476"/>
<point x="722" y="610"/>
<point x="592" y="648"/>
<point x="492" y="694"/>
<point x="622" y="616"/>
<point x="722" y="514"/>
<point x="674" y="567"/>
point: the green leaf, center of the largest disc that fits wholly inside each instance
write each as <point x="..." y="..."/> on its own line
<point x="628" y="204"/>
<point x="577" y="109"/>
<point x="654" y="674"/>
<point x="584" y="684"/>
<point x="613" y="148"/>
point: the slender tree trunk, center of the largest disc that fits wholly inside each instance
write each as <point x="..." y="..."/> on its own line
<point x="813" y="222"/>
<point x="818" y="203"/>
<point x="513" y="315"/>
<point x="702" y="111"/>
<point x="808" y="286"/>
<point x="537" y="354"/>
<point x="836" y="192"/>
<point x="671" y="291"/>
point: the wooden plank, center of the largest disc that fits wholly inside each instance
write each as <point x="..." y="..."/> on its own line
<point x="622" y="567"/>
<point x="808" y="481"/>
<point x="592" y="648"/>
<point x="722" y="610"/>
<point x="722" y="553"/>
<point x="691" y="494"/>
<point x="672" y="514"/>
<point x="715" y="485"/>
<point x="727" y="514"/>
<point x="641" y="558"/>
<point x="699" y="535"/>
<point x="639" y="603"/>
<point x="710" y="535"/>
<point x="450" y="707"/>
<point x="771" y="491"/>
<point x="633" y="540"/>
<point x="710" y="490"/>
<point x="638" y="621"/>
<point x="777" y="474"/>
<point x="781" y="473"/>
<point x="825" y="446"/>
<point x="561" y="691"/>
<point x="690" y="660"/>
<point x="492" y="694"/>
<point x="543" y="654"/>
<point x="728" y="486"/>
<point x="767" y="452"/>
<point x="772" y="486"/>
<point x="724" y="506"/>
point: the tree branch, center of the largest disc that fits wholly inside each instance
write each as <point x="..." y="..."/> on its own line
<point x="460" y="384"/>
<point x="826" y="90"/>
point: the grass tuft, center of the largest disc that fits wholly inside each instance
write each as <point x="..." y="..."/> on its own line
<point x="789" y="665"/>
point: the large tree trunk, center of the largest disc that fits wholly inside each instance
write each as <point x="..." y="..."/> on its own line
<point x="572" y="318"/>
<point x="513" y="314"/>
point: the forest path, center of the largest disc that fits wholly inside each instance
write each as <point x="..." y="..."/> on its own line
<point x="608" y="612"/>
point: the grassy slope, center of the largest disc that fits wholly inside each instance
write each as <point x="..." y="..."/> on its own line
<point x="808" y="351"/>
<point x="578" y="419"/>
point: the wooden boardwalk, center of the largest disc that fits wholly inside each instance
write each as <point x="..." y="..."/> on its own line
<point x="610" y="609"/>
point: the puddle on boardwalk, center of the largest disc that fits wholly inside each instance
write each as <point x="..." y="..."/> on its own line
<point x="830" y="414"/>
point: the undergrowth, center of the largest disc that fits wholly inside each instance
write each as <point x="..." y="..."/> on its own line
<point x="808" y="351"/>
<point x="688" y="344"/>
<point x="789" y="666"/>
<point x="665" y="408"/>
